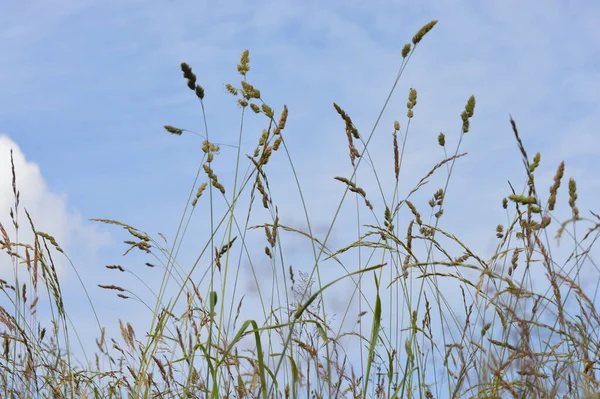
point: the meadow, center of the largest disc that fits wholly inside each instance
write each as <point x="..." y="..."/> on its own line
<point x="526" y="327"/>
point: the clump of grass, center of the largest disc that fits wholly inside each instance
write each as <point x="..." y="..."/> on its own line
<point x="405" y="337"/>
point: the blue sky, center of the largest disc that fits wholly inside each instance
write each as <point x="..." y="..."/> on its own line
<point x="86" y="87"/>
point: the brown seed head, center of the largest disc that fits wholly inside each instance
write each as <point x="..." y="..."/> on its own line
<point x="283" y="118"/>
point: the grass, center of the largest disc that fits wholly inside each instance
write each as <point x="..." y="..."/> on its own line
<point x="409" y="341"/>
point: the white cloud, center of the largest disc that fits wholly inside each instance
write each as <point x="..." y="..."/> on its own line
<point x="48" y="210"/>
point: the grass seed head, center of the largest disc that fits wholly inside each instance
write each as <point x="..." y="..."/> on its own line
<point x="405" y="50"/>
<point x="232" y="90"/>
<point x="189" y="75"/>
<point x="422" y="32"/>
<point x="441" y="139"/>
<point x="250" y="91"/>
<point x="277" y="143"/>
<point x="267" y="110"/>
<point x="199" y="90"/>
<point x="173" y="130"/>
<point x="283" y="118"/>
<point x="244" y="65"/>
<point x="573" y="198"/>
<point x="535" y="163"/>
<point x="555" y="186"/>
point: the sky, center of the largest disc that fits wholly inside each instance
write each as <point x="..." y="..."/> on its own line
<point x="86" y="87"/>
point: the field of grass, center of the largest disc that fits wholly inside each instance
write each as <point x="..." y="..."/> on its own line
<point x="526" y="326"/>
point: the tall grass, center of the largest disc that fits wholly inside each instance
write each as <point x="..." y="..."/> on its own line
<point x="400" y="335"/>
